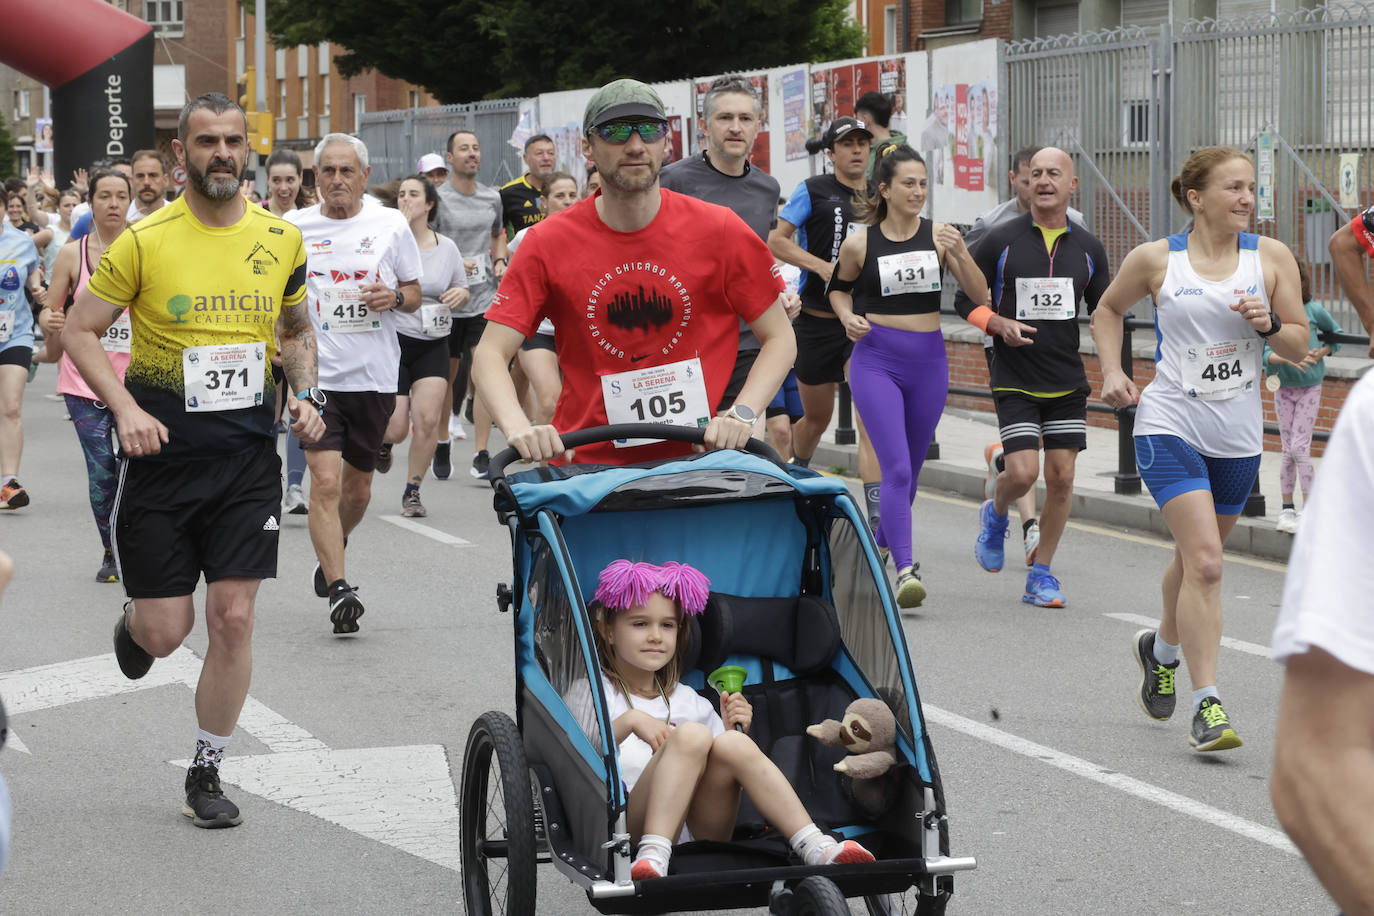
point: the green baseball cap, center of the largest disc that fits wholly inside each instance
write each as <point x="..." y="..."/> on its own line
<point x="624" y="98"/>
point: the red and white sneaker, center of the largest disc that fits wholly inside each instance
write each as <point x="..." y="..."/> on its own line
<point x="846" y="853"/>
<point x="13" y="496"/>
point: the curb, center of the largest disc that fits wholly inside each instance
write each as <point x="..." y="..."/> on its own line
<point x="1255" y="537"/>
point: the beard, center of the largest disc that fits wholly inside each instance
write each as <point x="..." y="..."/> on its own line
<point x="220" y="189"/>
<point x="632" y="183"/>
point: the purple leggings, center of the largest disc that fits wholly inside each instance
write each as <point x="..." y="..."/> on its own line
<point x="899" y="380"/>
<point x="1296" y="409"/>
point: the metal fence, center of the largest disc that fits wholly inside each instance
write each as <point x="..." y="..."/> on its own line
<point x="397" y="139"/>
<point x="1131" y="104"/>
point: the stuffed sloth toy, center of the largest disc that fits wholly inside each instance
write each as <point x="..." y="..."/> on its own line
<point x="868" y="733"/>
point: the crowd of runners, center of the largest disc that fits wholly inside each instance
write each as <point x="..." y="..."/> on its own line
<point x="190" y="335"/>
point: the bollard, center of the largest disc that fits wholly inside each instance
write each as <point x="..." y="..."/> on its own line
<point x="844" y="431"/>
<point x="1254" y="504"/>
<point x="1126" y="480"/>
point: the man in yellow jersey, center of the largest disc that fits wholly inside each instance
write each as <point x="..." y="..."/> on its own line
<point x="207" y="280"/>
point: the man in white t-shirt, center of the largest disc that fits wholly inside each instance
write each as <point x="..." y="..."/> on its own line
<point x="1323" y="781"/>
<point x="362" y="263"/>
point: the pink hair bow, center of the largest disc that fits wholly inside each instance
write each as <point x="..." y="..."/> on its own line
<point x="625" y="584"/>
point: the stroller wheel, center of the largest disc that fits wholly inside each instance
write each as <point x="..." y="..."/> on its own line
<point x="497" y="821"/>
<point x="818" y="896"/>
<point x="910" y="902"/>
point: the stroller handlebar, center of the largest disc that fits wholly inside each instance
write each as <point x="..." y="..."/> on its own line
<point x="580" y="437"/>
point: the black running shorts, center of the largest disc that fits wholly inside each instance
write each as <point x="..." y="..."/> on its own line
<point x="822" y="349"/>
<point x="1024" y="421"/>
<point x="464" y="334"/>
<point x="173" y="520"/>
<point x="354" y="424"/>
<point x="421" y="358"/>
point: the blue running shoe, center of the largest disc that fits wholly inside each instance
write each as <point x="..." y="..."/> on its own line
<point x="988" y="548"/>
<point x="1042" y="590"/>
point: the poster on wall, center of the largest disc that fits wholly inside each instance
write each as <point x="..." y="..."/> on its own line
<point x="958" y="135"/>
<point x="794" y="114"/>
<point x="835" y="89"/>
<point x="759" y="155"/>
<point x="42" y="130"/>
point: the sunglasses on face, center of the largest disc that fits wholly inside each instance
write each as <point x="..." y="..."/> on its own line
<point x="619" y="131"/>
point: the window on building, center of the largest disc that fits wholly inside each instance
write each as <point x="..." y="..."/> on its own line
<point x="21" y="103"/>
<point x="890" y="29"/>
<point x="324" y="95"/>
<point x="281" y="98"/>
<point x="305" y="95"/>
<point x="1135" y="122"/>
<point x="962" y="12"/>
<point x="414" y="98"/>
<point x="359" y="107"/>
<point x="165" y="16"/>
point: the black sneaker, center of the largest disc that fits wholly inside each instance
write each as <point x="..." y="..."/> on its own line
<point x="1212" y="729"/>
<point x="384" y="458"/>
<point x="481" y="465"/>
<point x="321" y="586"/>
<point x="108" y="571"/>
<point x="345" y="609"/>
<point x="443" y="462"/>
<point x="205" y="803"/>
<point x="1156" y="694"/>
<point x="467" y="411"/>
<point x="132" y="658"/>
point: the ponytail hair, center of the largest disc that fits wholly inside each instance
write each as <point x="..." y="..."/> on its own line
<point x="870" y="207"/>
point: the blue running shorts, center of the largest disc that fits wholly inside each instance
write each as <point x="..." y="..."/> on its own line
<point x="1169" y="466"/>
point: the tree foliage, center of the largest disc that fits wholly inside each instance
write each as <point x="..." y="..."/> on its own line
<point x="9" y="158"/>
<point x="465" y="50"/>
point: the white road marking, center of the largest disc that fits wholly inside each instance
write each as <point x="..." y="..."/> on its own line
<point x="1240" y="645"/>
<point x="432" y="533"/>
<point x="12" y="743"/>
<point x="275" y="731"/>
<point x="400" y="796"/>
<point x="1122" y="783"/>
<point x="48" y="686"/>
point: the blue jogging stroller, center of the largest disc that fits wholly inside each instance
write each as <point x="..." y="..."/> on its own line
<point x="799" y="599"/>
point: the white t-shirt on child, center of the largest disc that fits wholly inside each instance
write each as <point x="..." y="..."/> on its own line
<point x="634" y="753"/>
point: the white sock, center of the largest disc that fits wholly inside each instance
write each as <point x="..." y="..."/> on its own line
<point x="656" y="849"/>
<point x="1163" y="652"/>
<point x="810" y="844"/>
<point x="9" y="479"/>
<point x="1203" y="693"/>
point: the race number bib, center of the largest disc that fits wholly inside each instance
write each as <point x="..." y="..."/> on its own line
<point x="223" y="376"/>
<point x="909" y="272"/>
<point x="480" y="271"/>
<point x="342" y="311"/>
<point x="1219" y="371"/>
<point x="118" y="337"/>
<point x="1045" y="299"/>
<point x="6" y="326"/>
<point x="435" y="320"/>
<point x="674" y="395"/>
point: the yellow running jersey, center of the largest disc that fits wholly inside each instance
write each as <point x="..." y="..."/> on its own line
<point x="203" y="306"/>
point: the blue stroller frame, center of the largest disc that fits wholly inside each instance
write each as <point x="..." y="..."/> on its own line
<point x="799" y="599"/>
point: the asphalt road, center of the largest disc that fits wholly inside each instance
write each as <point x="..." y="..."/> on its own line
<point x="346" y="761"/>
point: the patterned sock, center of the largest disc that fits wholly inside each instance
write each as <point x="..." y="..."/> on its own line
<point x="209" y="749"/>
<point x="409" y="487"/>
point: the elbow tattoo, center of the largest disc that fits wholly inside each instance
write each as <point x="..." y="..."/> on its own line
<point x="299" y="358"/>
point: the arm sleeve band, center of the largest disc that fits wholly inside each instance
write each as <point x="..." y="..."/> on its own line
<point x="836" y="285"/>
<point x="980" y="317"/>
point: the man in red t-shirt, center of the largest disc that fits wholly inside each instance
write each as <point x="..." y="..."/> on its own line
<point x="645" y="289"/>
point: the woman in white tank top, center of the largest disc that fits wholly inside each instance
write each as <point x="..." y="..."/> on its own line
<point x="1219" y="292"/>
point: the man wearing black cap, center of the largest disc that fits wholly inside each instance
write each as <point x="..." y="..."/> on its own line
<point x="647" y="313"/>
<point x="822" y="208"/>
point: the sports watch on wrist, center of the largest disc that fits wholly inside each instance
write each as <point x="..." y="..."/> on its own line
<point x="400" y="298"/>
<point x="1274" y="325"/>
<point x="742" y="412"/>
<point x="314" y="396"/>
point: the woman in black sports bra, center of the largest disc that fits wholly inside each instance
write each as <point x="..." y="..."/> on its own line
<point x="886" y="291"/>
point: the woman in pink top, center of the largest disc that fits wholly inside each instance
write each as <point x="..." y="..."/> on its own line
<point x="110" y="194"/>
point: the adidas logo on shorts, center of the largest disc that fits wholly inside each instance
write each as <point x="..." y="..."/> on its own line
<point x="270" y="524"/>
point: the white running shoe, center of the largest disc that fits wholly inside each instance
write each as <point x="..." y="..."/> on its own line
<point x="455" y="427"/>
<point x="1288" y="522"/>
<point x="294" y="503"/>
<point x="1032" y="542"/>
<point x="990" y="454"/>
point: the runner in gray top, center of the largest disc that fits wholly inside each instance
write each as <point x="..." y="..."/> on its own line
<point x="470" y="214"/>
<point x="722" y="174"/>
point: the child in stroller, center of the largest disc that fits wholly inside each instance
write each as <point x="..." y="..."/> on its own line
<point x="684" y="765"/>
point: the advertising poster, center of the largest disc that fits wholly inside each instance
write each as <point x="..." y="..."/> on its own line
<point x="794" y="120"/>
<point x="835" y="88"/>
<point x="759" y="156"/>
<point x="42" y="130"/>
<point x="958" y="134"/>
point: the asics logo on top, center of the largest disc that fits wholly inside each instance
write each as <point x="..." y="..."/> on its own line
<point x="1187" y="291"/>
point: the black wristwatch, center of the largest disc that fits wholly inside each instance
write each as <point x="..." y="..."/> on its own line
<point x="1274" y="325"/>
<point x="314" y="396"/>
<point x="400" y="298"/>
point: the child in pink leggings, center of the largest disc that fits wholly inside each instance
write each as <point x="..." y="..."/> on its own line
<point x="1296" y="401"/>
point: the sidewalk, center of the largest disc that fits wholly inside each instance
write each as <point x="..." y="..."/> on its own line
<point x="963" y="434"/>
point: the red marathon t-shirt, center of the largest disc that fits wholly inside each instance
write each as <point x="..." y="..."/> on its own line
<point x="646" y="323"/>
